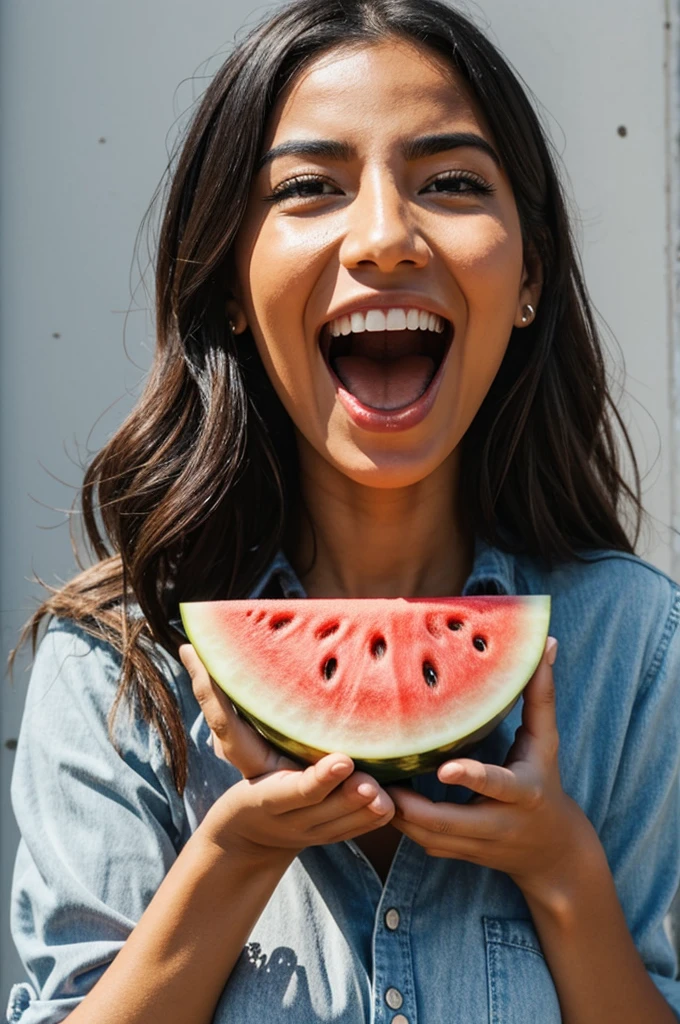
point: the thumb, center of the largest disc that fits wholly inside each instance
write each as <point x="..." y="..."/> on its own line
<point x="538" y="713"/>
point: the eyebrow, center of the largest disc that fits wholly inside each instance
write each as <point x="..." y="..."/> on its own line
<point x="412" y="149"/>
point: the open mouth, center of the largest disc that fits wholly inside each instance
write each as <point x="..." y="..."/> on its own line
<point x="387" y="369"/>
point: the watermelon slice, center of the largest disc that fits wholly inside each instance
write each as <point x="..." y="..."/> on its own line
<point x="397" y="684"/>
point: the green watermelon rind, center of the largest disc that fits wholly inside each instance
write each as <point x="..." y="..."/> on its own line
<point x="381" y="758"/>
<point x="384" y="769"/>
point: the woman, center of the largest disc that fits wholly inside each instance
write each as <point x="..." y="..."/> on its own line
<point x="377" y="373"/>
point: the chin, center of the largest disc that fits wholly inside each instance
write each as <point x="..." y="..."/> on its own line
<point x="389" y="469"/>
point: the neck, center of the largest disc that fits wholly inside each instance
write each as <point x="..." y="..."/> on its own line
<point x="380" y="542"/>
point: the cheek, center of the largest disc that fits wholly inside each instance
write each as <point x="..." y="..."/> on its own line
<point x="485" y="253"/>
<point x="277" y="271"/>
<point x="486" y="257"/>
<point x="489" y="267"/>
<point x="279" y="264"/>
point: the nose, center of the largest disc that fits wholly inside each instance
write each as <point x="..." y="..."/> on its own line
<point x="381" y="231"/>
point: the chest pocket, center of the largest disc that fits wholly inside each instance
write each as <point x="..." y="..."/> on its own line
<point x="521" y="988"/>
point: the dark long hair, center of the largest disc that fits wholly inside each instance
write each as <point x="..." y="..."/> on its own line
<point x="191" y="497"/>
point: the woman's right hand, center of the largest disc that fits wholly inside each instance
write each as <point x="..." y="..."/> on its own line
<point x="280" y="806"/>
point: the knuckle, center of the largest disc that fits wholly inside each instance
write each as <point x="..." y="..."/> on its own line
<point x="533" y="796"/>
<point x="546" y="699"/>
<point x="309" y="784"/>
<point x="201" y="686"/>
<point x="216" y="717"/>
<point x="219" y="725"/>
<point x="549" y="691"/>
<point x="442" y="827"/>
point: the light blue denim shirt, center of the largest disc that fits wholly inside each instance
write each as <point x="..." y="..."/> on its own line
<point x="444" y="941"/>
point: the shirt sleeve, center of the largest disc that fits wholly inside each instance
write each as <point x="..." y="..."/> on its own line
<point x="641" y="832"/>
<point x="99" y="828"/>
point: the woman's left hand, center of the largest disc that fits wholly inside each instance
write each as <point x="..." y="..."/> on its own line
<point x="521" y="822"/>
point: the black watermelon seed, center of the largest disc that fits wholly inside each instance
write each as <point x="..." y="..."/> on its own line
<point x="329" y="668"/>
<point x="429" y="674"/>
<point x="285" y="620"/>
<point x="479" y="643"/>
<point x="378" y="647"/>
<point x="454" y="624"/>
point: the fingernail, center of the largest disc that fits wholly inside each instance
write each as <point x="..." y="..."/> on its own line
<point x="366" y="789"/>
<point x="340" y="768"/>
<point x="551" y="650"/>
<point x="379" y="805"/>
<point x="448" y="771"/>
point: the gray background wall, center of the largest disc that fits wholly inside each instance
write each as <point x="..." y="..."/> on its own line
<point x="88" y="93"/>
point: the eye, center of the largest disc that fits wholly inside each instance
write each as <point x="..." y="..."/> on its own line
<point x="303" y="186"/>
<point x="460" y="183"/>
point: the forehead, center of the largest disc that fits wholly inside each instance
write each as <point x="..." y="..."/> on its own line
<point x="375" y="88"/>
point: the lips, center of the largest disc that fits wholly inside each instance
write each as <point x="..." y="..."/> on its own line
<point x="386" y="371"/>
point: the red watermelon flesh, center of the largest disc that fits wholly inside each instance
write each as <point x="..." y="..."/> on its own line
<point x="397" y="684"/>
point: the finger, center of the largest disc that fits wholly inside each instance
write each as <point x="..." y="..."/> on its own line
<point x="415" y="814"/>
<point x="488" y="780"/>
<point x="308" y="787"/>
<point x="353" y="824"/>
<point x="239" y="743"/>
<point x="477" y="850"/>
<point x="357" y="792"/>
<point x="538" y="712"/>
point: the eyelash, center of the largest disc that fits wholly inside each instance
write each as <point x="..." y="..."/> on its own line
<point x="292" y="188"/>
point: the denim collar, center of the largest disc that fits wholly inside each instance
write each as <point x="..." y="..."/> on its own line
<point x="493" y="572"/>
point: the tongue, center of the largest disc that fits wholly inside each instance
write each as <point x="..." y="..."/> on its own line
<point x="385" y="383"/>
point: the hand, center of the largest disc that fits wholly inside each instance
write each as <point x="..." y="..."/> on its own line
<point x="280" y="807"/>
<point x="521" y="821"/>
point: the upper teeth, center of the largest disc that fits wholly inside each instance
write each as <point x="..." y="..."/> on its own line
<point x="386" y="320"/>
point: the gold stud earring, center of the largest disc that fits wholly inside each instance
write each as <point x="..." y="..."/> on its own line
<point x="528" y="313"/>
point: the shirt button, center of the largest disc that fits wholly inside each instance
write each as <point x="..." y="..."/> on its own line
<point x="392" y="919"/>
<point x="394" y="998"/>
<point x="400" y="1019"/>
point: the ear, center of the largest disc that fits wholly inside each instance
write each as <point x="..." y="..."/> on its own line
<point x="530" y="290"/>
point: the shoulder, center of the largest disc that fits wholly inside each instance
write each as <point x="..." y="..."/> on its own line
<point x="70" y="665"/>
<point x="616" y="678"/>
<point x="614" y="600"/>
<point x="67" y="649"/>
<point x="70" y="657"/>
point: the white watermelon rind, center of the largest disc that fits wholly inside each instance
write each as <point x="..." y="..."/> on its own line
<point x="382" y="756"/>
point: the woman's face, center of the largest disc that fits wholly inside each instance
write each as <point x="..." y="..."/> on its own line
<point x="413" y="246"/>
